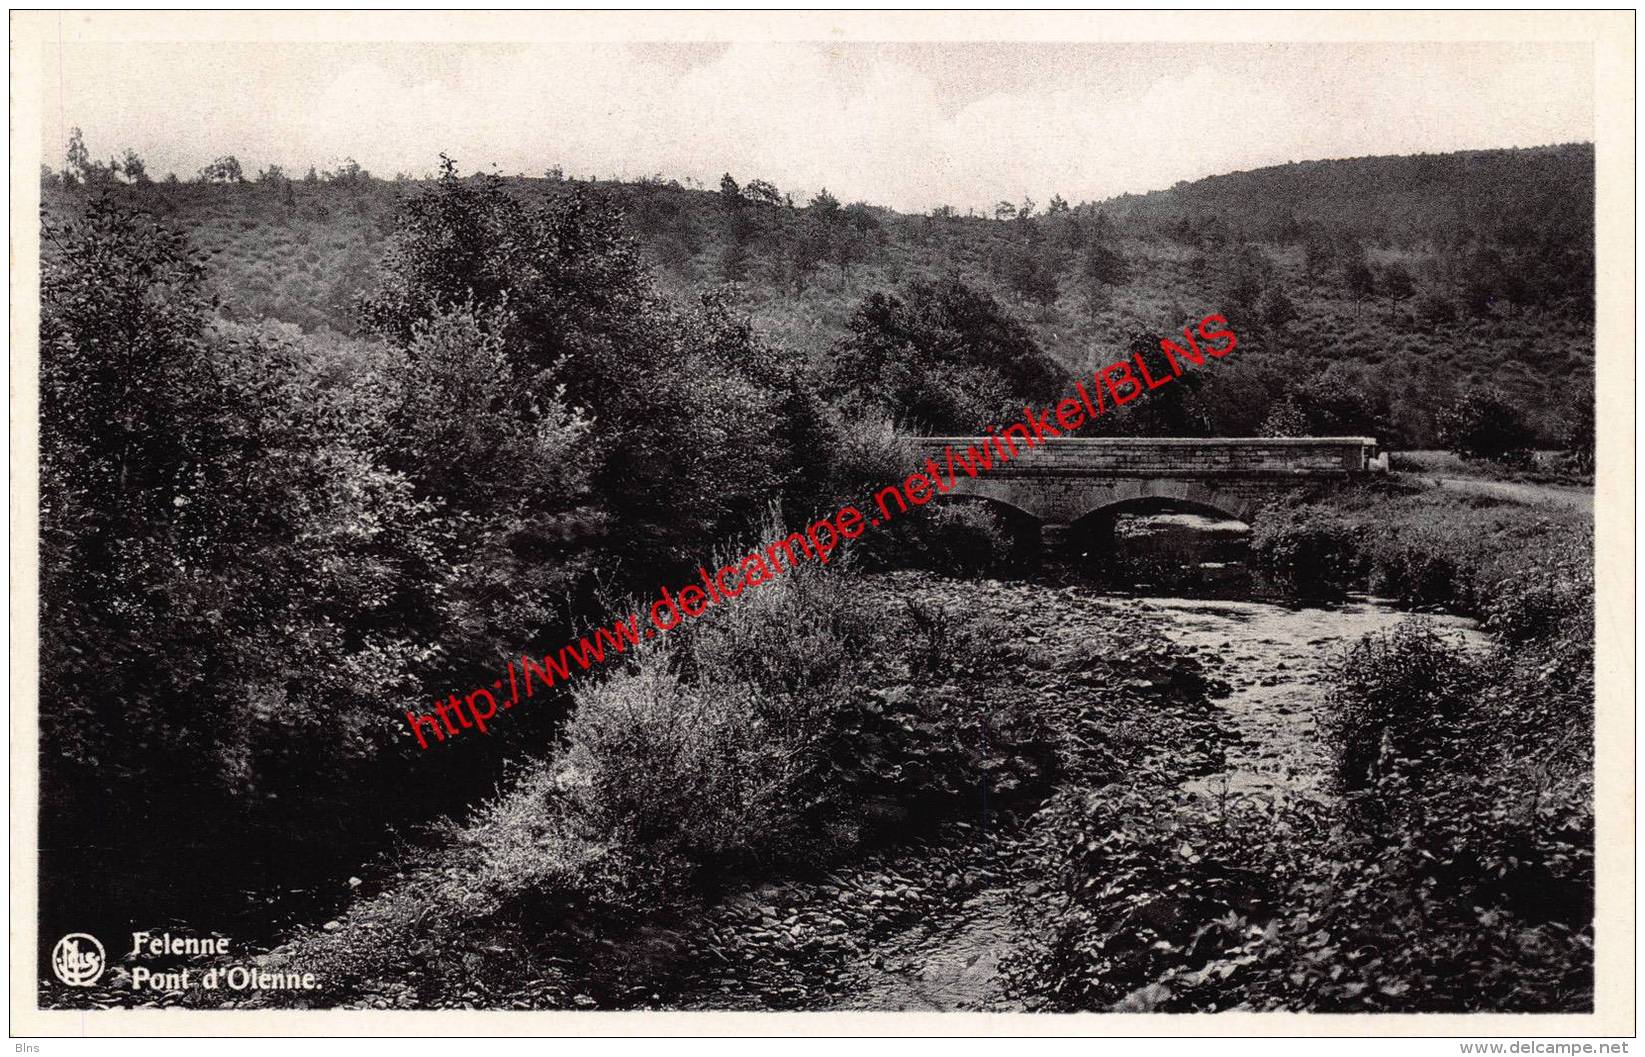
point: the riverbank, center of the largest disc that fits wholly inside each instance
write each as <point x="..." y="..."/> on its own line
<point x="903" y="790"/>
<point x="953" y="708"/>
<point x="1522" y="569"/>
<point x="1123" y="779"/>
<point x="1527" y="493"/>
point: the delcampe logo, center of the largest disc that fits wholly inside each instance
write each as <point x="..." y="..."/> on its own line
<point x="78" y="959"/>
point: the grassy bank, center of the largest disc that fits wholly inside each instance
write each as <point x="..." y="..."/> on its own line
<point x="1521" y="570"/>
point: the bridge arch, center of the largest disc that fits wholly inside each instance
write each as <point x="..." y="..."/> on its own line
<point x="1002" y="500"/>
<point x="1189" y="496"/>
<point x="1068" y="479"/>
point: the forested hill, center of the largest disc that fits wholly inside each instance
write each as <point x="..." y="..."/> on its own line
<point x="1369" y="292"/>
<point x="1512" y="197"/>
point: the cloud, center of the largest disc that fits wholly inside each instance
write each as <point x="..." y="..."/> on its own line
<point x="909" y="126"/>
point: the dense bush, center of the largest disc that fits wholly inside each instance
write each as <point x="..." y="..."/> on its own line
<point x="943" y="358"/>
<point x="1475" y="842"/>
<point x="967" y="539"/>
<point x="1329" y="404"/>
<point x="867" y="454"/>
<point x="1159" y="896"/>
<point x="220" y="552"/>
<point x="1500" y="561"/>
<point x="1395" y="700"/>
<point x="684" y="401"/>
<point x="714" y="754"/>
<point x="1315" y="553"/>
<point x="1486" y="425"/>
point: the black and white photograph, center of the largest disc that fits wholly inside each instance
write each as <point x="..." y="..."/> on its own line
<point x="970" y="516"/>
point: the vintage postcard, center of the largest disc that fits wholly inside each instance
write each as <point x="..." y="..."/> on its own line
<point x="822" y="523"/>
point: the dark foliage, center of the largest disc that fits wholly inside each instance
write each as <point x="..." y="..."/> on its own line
<point x="1483" y="424"/>
<point x="942" y="358"/>
<point x="220" y="549"/>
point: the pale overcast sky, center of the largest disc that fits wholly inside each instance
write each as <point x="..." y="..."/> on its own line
<point x="904" y="125"/>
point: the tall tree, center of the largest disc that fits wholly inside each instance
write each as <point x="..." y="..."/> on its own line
<point x="77" y="161"/>
<point x="132" y="165"/>
<point x="213" y="567"/>
<point x="577" y="316"/>
<point x="942" y="356"/>
<point x="763" y="192"/>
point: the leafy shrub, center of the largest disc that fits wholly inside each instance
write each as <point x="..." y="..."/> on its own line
<point x="1551" y="599"/>
<point x="1156" y="892"/>
<point x="683" y="399"/>
<point x="1576" y="433"/>
<point x="1465" y="877"/>
<point x="1422" y="565"/>
<point x="1435" y="311"/>
<point x="1474" y="554"/>
<point x="962" y="539"/>
<point x="218" y="545"/>
<point x="1315" y="552"/>
<point x="929" y="638"/>
<point x="697" y="773"/>
<point x="1486" y="425"/>
<point x="1396" y="693"/>
<point x="943" y="357"/>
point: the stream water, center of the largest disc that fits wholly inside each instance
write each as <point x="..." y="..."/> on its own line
<point x="1190" y="577"/>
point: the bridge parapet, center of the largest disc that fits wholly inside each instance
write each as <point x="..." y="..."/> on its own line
<point x="1065" y="479"/>
<point x="1174" y="456"/>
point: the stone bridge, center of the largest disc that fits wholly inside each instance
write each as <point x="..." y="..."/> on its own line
<point x="1069" y="479"/>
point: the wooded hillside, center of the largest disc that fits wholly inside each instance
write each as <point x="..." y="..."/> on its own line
<point x="1368" y="292"/>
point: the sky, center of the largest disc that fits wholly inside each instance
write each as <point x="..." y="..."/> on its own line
<point x="910" y="126"/>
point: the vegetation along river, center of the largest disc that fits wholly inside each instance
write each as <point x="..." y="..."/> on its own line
<point x="933" y="927"/>
<point x="1186" y="673"/>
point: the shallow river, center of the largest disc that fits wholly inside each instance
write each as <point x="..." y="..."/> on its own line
<point x="1274" y="659"/>
<point x="1192" y="574"/>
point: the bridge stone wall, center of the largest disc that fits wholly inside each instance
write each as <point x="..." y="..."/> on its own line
<point x="1068" y="478"/>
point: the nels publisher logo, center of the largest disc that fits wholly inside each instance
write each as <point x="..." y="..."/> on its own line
<point x="78" y="959"/>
